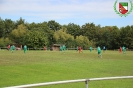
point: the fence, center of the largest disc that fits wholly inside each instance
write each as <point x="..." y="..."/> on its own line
<point x="70" y="81"/>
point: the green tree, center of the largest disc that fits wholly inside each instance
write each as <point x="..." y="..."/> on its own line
<point x="2" y="27"/>
<point x="115" y="37"/>
<point x="35" y="39"/>
<point x="83" y="42"/>
<point x="126" y="36"/>
<point x="132" y="37"/>
<point x="43" y="27"/>
<point x="54" y="25"/>
<point x="4" y="42"/>
<point x="9" y="26"/>
<point x="105" y="37"/>
<point x="90" y="30"/>
<point x="62" y="37"/>
<point x="19" y="22"/>
<point x="49" y="33"/>
<point x="18" y="34"/>
<point x="73" y="29"/>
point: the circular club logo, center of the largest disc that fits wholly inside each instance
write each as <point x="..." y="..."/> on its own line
<point x="123" y="8"/>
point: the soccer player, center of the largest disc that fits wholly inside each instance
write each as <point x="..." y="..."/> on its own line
<point x="8" y="47"/>
<point x="124" y="50"/>
<point x="104" y="48"/>
<point x="64" y="47"/>
<point x="45" y="48"/>
<point x="12" y="48"/>
<point x="99" y="52"/>
<point x="120" y="50"/>
<point x="77" y="48"/>
<point x="90" y="49"/>
<point x="61" y="48"/>
<point x="80" y="49"/>
<point x="25" y="48"/>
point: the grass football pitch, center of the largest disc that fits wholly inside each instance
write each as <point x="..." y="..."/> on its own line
<point x="47" y="66"/>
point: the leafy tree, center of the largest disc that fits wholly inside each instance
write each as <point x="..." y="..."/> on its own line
<point x="48" y="32"/>
<point x="115" y="37"/>
<point x="90" y="30"/>
<point x="4" y="42"/>
<point x="19" y="22"/>
<point x="35" y="39"/>
<point x="35" y="26"/>
<point x="54" y="25"/>
<point x="2" y="27"/>
<point x="126" y="36"/>
<point x="83" y="42"/>
<point x="9" y="26"/>
<point x="131" y="46"/>
<point x="110" y="36"/>
<point x="18" y="34"/>
<point x="62" y="37"/>
<point x="43" y="27"/>
<point x="73" y="29"/>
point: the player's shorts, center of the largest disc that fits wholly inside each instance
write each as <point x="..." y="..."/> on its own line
<point x="99" y="52"/>
<point x="24" y="49"/>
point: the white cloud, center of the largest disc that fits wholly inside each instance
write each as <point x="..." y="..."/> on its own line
<point x="59" y="5"/>
<point x="59" y="9"/>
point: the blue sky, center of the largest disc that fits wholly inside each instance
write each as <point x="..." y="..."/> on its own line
<point x="65" y="11"/>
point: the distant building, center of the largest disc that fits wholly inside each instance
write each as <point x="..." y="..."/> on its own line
<point x="56" y="47"/>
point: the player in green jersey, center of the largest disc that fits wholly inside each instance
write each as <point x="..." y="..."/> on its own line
<point x="25" y="48"/>
<point x="90" y="49"/>
<point x="99" y="52"/>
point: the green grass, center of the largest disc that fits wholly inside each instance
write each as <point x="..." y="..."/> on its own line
<point x="47" y="66"/>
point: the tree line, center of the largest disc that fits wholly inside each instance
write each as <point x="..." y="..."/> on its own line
<point x="38" y="35"/>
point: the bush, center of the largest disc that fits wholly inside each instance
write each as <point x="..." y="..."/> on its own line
<point x="4" y="42"/>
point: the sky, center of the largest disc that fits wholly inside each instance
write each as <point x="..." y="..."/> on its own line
<point x="80" y="12"/>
